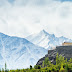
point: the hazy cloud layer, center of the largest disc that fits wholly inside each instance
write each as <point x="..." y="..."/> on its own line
<point x="25" y="17"/>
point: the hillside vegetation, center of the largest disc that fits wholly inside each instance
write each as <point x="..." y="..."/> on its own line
<point x="62" y="65"/>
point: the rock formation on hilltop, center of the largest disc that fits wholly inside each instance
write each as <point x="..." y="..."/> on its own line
<point x="65" y="51"/>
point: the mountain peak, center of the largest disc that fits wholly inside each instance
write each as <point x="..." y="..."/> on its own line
<point x="2" y="34"/>
<point x="20" y="50"/>
<point x="43" y="32"/>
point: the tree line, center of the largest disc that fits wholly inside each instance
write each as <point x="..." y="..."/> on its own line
<point x="62" y="65"/>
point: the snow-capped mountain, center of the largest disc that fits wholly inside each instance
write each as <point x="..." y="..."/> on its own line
<point x="19" y="52"/>
<point x="46" y="40"/>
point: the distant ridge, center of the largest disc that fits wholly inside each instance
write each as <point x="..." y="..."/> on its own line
<point x="46" y="40"/>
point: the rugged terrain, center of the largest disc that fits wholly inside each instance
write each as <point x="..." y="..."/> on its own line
<point x="46" y="40"/>
<point x="18" y="52"/>
<point x="65" y="51"/>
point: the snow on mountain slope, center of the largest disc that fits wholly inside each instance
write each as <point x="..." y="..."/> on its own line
<point x="47" y="40"/>
<point x="19" y="52"/>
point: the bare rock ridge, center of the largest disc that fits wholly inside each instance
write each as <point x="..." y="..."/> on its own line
<point x="65" y="51"/>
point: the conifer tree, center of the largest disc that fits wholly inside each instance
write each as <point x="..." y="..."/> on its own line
<point x="6" y="68"/>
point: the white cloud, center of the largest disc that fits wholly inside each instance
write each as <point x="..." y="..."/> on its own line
<point x="31" y="16"/>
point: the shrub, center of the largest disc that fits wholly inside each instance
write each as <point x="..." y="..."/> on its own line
<point x="30" y="67"/>
<point x="36" y="67"/>
<point x="39" y="67"/>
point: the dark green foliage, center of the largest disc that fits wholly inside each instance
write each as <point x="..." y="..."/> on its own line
<point x="0" y="70"/>
<point x="39" y="67"/>
<point x="6" y="70"/>
<point x="5" y="66"/>
<point x="30" y="67"/>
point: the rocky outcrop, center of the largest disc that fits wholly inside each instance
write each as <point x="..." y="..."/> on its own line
<point x="65" y="51"/>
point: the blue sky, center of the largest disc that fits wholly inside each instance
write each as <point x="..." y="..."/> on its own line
<point x="25" y="17"/>
<point x="65" y="0"/>
<point x="11" y="1"/>
<point x="40" y="1"/>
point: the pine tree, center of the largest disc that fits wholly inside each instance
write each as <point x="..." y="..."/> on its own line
<point x="5" y="66"/>
<point x="6" y="70"/>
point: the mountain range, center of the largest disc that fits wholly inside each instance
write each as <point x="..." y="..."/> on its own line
<point x="46" y="40"/>
<point x="19" y="52"/>
<point x="22" y="52"/>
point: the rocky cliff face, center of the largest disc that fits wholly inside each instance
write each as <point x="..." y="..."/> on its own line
<point x="65" y="51"/>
